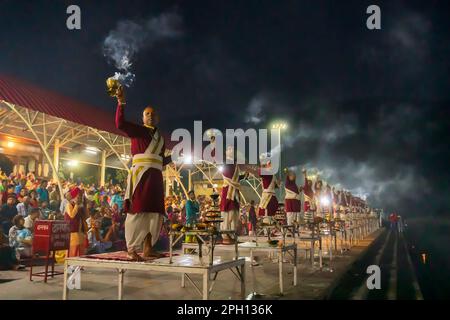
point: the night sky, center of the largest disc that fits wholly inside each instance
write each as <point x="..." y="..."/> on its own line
<point x="369" y="109"/>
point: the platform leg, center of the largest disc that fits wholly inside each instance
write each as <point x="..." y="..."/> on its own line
<point x="200" y="247"/>
<point x="236" y="252"/>
<point x="53" y="264"/>
<point x="171" y="247"/>
<point x="46" y="267"/>
<point x="243" y="281"/>
<point x="320" y="254"/>
<point x="280" y="270"/>
<point x="120" y="284"/>
<point x="211" y="251"/>
<point x="64" y="297"/>
<point x="330" y="246"/>
<point x="295" y="266"/>
<point x="251" y="258"/>
<point x="312" y="253"/>
<point x="206" y="285"/>
<point x="183" y="280"/>
<point x="31" y="267"/>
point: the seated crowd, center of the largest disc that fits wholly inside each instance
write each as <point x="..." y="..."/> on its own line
<point x="24" y="199"/>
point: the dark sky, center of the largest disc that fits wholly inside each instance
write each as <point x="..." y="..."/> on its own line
<point x="369" y="109"/>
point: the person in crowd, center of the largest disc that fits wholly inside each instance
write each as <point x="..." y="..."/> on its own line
<point x="170" y="212"/>
<point x="393" y="219"/>
<point x="54" y="197"/>
<point x="97" y="244"/>
<point x="45" y="210"/>
<point x="34" y="203"/>
<point x="116" y="199"/>
<point x="3" y="191"/>
<point x="8" y="257"/>
<point x="42" y="192"/>
<point x="243" y="225"/>
<point x="24" y="207"/>
<point x="22" y="194"/>
<point x="92" y="214"/>
<point x="2" y="175"/>
<point x="65" y="201"/>
<point x="7" y="213"/>
<point x="20" y="238"/>
<point x="20" y="186"/>
<point x="75" y="214"/>
<point x="192" y="213"/>
<point x="31" y="218"/>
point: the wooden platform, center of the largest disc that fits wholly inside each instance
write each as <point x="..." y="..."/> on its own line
<point x="185" y="265"/>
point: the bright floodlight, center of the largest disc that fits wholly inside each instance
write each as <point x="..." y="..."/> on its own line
<point x="220" y="168"/>
<point x="279" y="125"/>
<point x="72" y="163"/>
<point x="325" y="201"/>
<point x="10" y="144"/>
<point x="187" y="159"/>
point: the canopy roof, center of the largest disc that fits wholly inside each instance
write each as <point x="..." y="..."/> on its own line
<point x="42" y="116"/>
<point x="31" y="97"/>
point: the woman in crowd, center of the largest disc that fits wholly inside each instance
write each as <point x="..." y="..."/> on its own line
<point x="34" y="203"/>
<point x="22" y="194"/>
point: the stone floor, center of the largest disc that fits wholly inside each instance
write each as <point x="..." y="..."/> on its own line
<point x="97" y="284"/>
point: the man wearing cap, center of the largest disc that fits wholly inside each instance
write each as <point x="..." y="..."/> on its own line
<point x="144" y="196"/>
<point x="75" y="214"/>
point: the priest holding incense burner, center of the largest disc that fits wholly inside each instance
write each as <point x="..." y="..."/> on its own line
<point x="144" y="197"/>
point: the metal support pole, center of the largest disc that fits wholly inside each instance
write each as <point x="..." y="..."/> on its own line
<point x="103" y="168"/>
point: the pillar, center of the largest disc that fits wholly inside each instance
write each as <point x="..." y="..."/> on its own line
<point x="56" y="159"/>
<point x="103" y="168"/>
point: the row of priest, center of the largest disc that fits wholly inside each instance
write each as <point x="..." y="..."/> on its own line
<point x="144" y="198"/>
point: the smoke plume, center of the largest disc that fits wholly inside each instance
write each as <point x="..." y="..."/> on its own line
<point x="122" y="44"/>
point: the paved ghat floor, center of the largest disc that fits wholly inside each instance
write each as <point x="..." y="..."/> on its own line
<point x="97" y="284"/>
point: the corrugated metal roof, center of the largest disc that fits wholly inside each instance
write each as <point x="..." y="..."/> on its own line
<point x="32" y="97"/>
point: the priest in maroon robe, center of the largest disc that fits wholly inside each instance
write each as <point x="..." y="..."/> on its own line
<point x="144" y="198"/>
<point x="229" y="196"/>
<point x="268" y="205"/>
<point x="292" y="199"/>
<point x="309" y="203"/>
